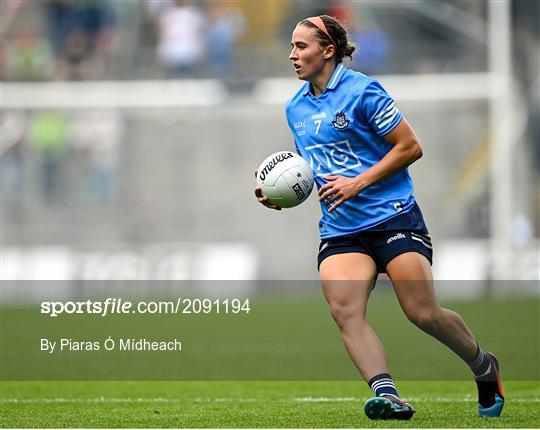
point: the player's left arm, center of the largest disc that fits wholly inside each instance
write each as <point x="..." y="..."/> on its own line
<point x="406" y="149"/>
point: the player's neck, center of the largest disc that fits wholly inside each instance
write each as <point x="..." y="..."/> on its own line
<point x="320" y="82"/>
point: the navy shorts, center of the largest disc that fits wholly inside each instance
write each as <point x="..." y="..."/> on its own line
<point x="404" y="233"/>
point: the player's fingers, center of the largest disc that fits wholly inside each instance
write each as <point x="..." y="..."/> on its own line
<point x="337" y="204"/>
<point x="265" y="202"/>
<point x="326" y="194"/>
<point x="258" y="192"/>
<point x="331" y="199"/>
<point x="330" y="177"/>
<point x="255" y="172"/>
<point x="324" y="188"/>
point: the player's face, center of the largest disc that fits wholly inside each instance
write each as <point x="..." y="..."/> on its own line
<point x="307" y="55"/>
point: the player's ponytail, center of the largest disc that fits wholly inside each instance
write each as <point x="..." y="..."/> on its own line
<point x="338" y="36"/>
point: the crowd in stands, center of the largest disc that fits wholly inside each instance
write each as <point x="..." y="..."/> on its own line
<point x="111" y="39"/>
<point x="87" y="39"/>
<point x="59" y="39"/>
<point x="189" y="37"/>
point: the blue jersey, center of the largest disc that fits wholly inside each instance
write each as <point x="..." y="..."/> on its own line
<point x="341" y="133"/>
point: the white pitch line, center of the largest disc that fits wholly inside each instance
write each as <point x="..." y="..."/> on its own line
<point x="327" y="399"/>
<point x="409" y="399"/>
<point x="102" y="399"/>
<point x="93" y="400"/>
<point x="224" y="399"/>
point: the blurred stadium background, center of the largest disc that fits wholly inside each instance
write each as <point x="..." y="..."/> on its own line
<point x="130" y="131"/>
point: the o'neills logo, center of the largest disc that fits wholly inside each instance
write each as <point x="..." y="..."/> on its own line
<point x="273" y="163"/>
<point x="396" y="237"/>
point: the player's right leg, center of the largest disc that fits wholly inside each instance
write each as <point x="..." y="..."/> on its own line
<point x="347" y="280"/>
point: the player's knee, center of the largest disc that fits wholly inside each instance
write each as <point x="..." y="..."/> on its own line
<point x="343" y="312"/>
<point x="424" y="318"/>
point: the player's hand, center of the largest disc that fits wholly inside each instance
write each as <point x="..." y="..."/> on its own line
<point x="338" y="190"/>
<point x="263" y="199"/>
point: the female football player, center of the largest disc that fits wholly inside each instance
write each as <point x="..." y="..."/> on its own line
<point x="359" y="146"/>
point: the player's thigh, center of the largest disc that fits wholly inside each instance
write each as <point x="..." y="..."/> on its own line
<point x="347" y="279"/>
<point x="412" y="280"/>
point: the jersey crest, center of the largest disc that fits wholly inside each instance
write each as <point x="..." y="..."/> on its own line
<point x="341" y="122"/>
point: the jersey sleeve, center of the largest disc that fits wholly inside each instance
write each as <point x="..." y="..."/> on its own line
<point x="379" y="110"/>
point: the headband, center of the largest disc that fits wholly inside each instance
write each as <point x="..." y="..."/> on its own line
<point x="318" y="22"/>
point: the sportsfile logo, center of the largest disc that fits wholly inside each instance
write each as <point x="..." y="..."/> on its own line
<point x="273" y="163"/>
<point x="332" y="158"/>
<point x="396" y="237"/>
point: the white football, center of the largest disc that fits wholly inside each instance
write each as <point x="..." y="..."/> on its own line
<point x="285" y="178"/>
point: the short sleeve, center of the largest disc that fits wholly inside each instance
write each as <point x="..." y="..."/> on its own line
<point x="379" y="109"/>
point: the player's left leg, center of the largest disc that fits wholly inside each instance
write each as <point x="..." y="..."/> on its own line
<point x="412" y="280"/>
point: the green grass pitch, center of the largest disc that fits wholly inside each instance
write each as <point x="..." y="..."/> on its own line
<point x="446" y="404"/>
